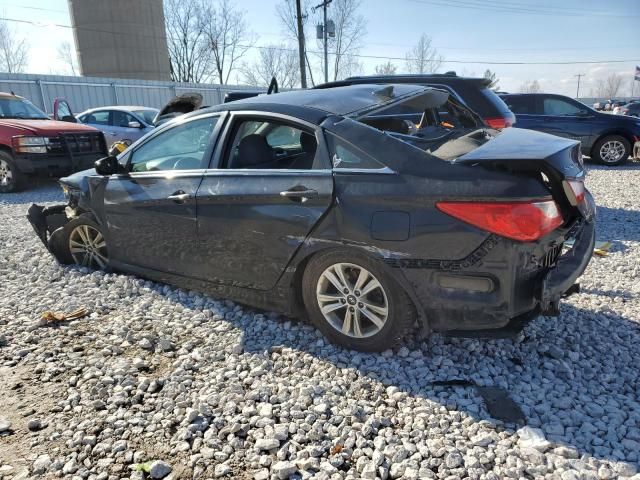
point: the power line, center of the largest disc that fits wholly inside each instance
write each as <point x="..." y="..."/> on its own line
<point x="359" y="55"/>
<point x="519" y="8"/>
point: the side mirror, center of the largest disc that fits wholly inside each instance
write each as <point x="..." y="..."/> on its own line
<point x="135" y="124"/>
<point x="69" y="118"/>
<point x="108" y="166"/>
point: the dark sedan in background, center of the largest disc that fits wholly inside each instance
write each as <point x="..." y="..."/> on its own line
<point x="321" y="203"/>
<point x="605" y="138"/>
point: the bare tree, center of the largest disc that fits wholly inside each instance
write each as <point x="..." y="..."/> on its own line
<point x="14" y="50"/>
<point x="491" y="76"/>
<point x="277" y="61"/>
<point x="530" y="87"/>
<point x="67" y="56"/>
<point x="386" y="68"/>
<point x="423" y="57"/>
<point x="351" y="27"/>
<point x="612" y="85"/>
<point x="286" y="11"/>
<point x="227" y="36"/>
<point x="188" y="48"/>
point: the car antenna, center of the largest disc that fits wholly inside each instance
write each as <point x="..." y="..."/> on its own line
<point x="273" y="86"/>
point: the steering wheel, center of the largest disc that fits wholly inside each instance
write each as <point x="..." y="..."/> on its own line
<point x="186" y="163"/>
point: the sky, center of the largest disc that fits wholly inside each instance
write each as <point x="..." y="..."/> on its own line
<point x="469" y="34"/>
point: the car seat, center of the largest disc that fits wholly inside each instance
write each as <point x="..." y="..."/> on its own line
<point x="253" y="152"/>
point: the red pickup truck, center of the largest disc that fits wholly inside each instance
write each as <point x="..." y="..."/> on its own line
<point x="33" y="144"/>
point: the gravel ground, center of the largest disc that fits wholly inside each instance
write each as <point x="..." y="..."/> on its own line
<point x="160" y="379"/>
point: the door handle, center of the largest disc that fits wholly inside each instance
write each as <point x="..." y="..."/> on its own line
<point x="179" y="197"/>
<point x="299" y="194"/>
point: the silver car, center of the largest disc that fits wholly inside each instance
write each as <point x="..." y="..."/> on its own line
<point x="120" y="122"/>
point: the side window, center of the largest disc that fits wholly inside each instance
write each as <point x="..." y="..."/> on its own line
<point x="345" y="155"/>
<point x="121" y="119"/>
<point x="64" y="110"/>
<point x="524" y="105"/>
<point x="101" y="117"/>
<point x="179" y="148"/>
<point x="271" y="144"/>
<point x="558" y="106"/>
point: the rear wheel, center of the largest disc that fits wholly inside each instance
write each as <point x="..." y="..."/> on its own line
<point x="354" y="302"/>
<point x="11" y="179"/>
<point x="612" y="150"/>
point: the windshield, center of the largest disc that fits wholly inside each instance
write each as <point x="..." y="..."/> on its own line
<point x="147" y="114"/>
<point x="12" y="107"/>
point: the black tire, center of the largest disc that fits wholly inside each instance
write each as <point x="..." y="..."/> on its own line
<point x="400" y="309"/>
<point x="596" y="152"/>
<point x="11" y="179"/>
<point x="59" y="243"/>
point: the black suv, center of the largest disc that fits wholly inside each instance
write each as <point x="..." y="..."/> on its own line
<point x="474" y="92"/>
<point x="606" y="138"/>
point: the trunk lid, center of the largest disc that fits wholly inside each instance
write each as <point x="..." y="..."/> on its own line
<point x="555" y="160"/>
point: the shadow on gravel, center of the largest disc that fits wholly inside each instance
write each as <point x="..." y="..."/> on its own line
<point x="39" y="190"/>
<point x="574" y="377"/>
<point x="621" y="225"/>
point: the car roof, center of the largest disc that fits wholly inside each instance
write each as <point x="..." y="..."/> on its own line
<point x="315" y="105"/>
<point x="124" y="108"/>
<point x="417" y="78"/>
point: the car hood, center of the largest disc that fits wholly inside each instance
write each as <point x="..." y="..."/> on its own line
<point x="44" y="127"/>
<point x="79" y="180"/>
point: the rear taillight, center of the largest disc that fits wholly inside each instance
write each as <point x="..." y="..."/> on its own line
<point x="522" y="221"/>
<point x="574" y="190"/>
<point x="498" y="123"/>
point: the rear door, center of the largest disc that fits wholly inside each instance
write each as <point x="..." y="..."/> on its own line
<point x="151" y="211"/>
<point x="268" y="185"/>
<point x="527" y="110"/>
<point x="100" y="119"/>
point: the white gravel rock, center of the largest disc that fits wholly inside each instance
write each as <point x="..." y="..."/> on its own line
<point x="159" y="372"/>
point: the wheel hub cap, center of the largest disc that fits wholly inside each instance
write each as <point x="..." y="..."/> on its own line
<point x="612" y="151"/>
<point x="352" y="300"/>
<point x="5" y="173"/>
<point x="88" y="247"/>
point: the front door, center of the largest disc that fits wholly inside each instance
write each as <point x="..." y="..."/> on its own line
<point x="566" y="118"/>
<point x="151" y="211"/>
<point x="272" y="186"/>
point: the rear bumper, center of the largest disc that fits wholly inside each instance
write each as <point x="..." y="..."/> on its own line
<point x="45" y="164"/>
<point x="503" y="284"/>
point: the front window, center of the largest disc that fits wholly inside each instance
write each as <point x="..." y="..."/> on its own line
<point x="148" y="115"/>
<point x="181" y="147"/>
<point x="13" y="107"/>
<point x="558" y="106"/>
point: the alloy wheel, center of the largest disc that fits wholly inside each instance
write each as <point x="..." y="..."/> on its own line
<point x="352" y="300"/>
<point x="6" y="175"/>
<point x="88" y="247"/>
<point x="612" y="151"/>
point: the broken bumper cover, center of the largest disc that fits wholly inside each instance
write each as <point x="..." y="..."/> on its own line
<point x="569" y="267"/>
<point x="46" y="220"/>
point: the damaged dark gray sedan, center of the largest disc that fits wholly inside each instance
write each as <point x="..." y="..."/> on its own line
<point x="337" y="206"/>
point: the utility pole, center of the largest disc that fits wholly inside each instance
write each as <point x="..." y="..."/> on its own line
<point x="578" y="89"/>
<point x="325" y="36"/>
<point x="303" y="69"/>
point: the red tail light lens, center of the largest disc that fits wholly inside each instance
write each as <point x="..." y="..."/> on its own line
<point x="498" y="123"/>
<point x="522" y="221"/>
<point x="575" y="191"/>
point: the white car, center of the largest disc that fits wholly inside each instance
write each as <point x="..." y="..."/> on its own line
<point x="120" y="122"/>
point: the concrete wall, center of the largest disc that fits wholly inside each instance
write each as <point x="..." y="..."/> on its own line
<point x="88" y="92"/>
<point x="121" y="38"/>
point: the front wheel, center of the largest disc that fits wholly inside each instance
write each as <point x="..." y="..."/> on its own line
<point x="11" y="179"/>
<point x="354" y="302"/>
<point x="81" y="241"/>
<point x="612" y="150"/>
